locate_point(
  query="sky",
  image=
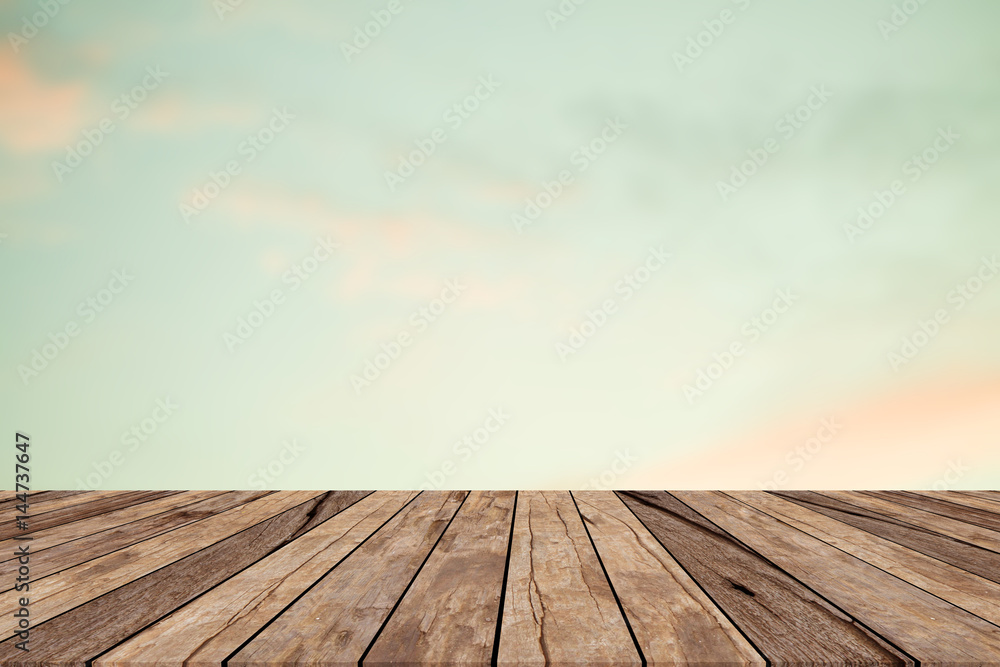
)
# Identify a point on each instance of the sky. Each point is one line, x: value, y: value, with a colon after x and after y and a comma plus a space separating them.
x: 397, y: 244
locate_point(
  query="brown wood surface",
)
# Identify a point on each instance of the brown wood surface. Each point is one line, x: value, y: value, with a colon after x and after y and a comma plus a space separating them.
x: 208, y: 629
x: 335, y: 621
x: 456, y: 578
x: 924, y: 626
x: 72, y: 553
x: 92, y: 628
x: 559, y: 607
x: 673, y: 620
x: 450, y: 613
x: 968, y: 557
x: 786, y: 622
x: 974, y: 594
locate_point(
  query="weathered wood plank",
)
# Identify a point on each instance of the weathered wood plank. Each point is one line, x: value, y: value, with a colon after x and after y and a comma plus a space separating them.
x: 982, y: 537
x: 50, y: 537
x: 924, y: 626
x: 784, y: 620
x: 963, y: 498
x: 964, y: 514
x: 335, y: 621
x: 673, y: 620
x: 450, y: 613
x: 61, y: 592
x: 43, y: 501
x: 210, y: 628
x: 79, y: 510
x: 559, y: 606
x: 75, y: 552
x: 86, y: 631
x: 968, y: 557
x: 974, y: 594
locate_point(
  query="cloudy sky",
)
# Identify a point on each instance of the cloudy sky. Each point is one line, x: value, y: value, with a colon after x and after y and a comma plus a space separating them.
x: 506, y: 245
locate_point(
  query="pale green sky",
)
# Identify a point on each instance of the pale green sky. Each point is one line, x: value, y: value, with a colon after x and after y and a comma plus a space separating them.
x: 341, y: 125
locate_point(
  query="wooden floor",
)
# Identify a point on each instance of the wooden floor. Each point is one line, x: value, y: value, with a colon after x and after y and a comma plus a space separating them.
x: 504, y: 577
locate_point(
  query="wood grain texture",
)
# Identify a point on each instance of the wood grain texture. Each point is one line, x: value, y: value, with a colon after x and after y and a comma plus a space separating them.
x: 207, y: 630
x: 87, y: 631
x: 62, y: 591
x: 973, y: 559
x: 673, y: 620
x: 450, y: 613
x: 974, y: 594
x: 559, y: 607
x: 335, y: 621
x: 784, y: 620
x: 924, y: 626
x: 942, y: 525
x: 50, y: 537
x: 962, y: 499
x: 977, y: 517
x: 77, y: 510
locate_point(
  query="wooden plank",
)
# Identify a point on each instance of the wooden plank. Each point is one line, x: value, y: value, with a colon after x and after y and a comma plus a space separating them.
x: 981, y: 537
x: 450, y: 613
x: 335, y: 621
x: 50, y: 537
x: 40, y: 501
x: 77, y: 511
x: 784, y: 620
x: 968, y: 557
x: 72, y: 553
x: 924, y: 626
x: 559, y: 606
x: 211, y: 627
x: 673, y: 620
x: 60, y: 592
x: 964, y: 498
x: 977, y: 517
x: 85, y: 632
x: 974, y: 594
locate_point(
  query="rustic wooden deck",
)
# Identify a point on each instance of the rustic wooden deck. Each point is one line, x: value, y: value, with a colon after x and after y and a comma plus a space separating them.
x: 504, y: 577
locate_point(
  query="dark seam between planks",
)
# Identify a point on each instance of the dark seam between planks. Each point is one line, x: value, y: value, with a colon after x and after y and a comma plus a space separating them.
x: 234, y: 574
x: 767, y: 660
x: 875, y: 635
x: 166, y: 493
x: 503, y: 586
x: 127, y: 546
x: 361, y: 660
x: 887, y: 519
x: 930, y: 500
x: 904, y: 581
x: 611, y: 584
x: 261, y: 629
x: 129, y: 583
x: 122, y: 525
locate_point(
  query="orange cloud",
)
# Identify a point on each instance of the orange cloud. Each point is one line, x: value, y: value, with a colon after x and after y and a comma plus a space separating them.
x: 36, y: 115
